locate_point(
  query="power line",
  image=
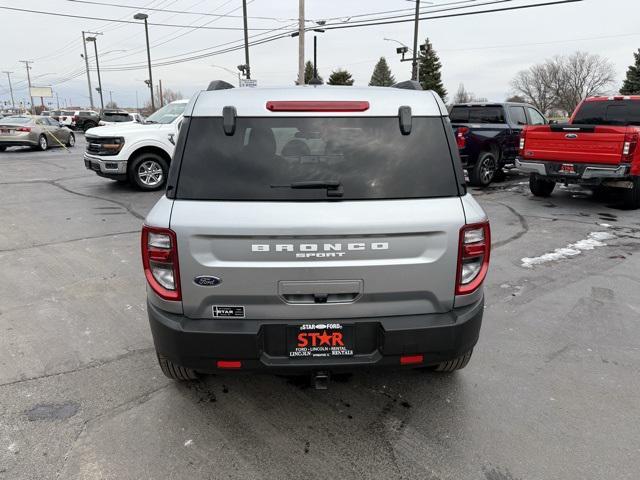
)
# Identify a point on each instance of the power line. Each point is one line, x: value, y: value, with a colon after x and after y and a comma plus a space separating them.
x: 114, y: 20
x: 452, y: 15
x: 355, y: 25
x: 182, y: 12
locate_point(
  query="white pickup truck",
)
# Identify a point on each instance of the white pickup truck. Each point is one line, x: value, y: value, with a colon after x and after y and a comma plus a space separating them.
x: 139, y: 153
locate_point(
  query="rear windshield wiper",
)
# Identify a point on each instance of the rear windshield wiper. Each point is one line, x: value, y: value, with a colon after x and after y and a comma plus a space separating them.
x: 334, y: 187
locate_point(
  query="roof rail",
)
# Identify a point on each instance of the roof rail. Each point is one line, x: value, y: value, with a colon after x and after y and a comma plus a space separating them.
x: 218, y: 85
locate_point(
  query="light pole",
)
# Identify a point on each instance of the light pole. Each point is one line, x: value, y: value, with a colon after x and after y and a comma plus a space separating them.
x: 414, y: 63
x: 315, y: 80
x: 86, y: 62
x: 246, y: 41
x: 144, y: 16
x: 95, y: 46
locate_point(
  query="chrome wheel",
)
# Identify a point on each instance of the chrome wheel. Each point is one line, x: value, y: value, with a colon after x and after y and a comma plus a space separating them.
x: 72, y: 140
x: 43, y: 143
x: 487, y: 169
x: 150, y: 173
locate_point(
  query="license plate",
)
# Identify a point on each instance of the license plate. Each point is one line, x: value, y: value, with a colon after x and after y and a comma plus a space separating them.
x: 567, y: 168
x: 6, y: 132
x: 320, y: 340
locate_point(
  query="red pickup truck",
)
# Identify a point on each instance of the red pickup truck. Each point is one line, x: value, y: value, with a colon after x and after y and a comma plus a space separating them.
x: 597, y: 148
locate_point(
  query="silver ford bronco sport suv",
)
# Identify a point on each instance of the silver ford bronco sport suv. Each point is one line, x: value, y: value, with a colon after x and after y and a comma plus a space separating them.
x: 315, y: 229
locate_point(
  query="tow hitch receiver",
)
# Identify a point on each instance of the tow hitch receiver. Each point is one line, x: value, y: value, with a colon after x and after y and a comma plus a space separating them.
x: 320, y: 380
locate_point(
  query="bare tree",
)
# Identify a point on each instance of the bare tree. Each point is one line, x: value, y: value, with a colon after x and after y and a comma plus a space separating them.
x: 534, y: 85
x: 577, y: 76
x: 464, y: 96
x: 563, y: 81
x: 168, y: 96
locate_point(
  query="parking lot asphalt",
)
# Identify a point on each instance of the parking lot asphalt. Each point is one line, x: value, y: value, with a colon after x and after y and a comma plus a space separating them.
x: 551, y: 391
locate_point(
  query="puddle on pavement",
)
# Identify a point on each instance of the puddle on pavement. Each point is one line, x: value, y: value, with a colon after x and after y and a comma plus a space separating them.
x: 52, y: 411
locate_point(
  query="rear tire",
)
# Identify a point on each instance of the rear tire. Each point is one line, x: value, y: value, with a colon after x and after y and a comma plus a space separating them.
x: 2, y: 148
x: 455, y: 364
x: 42, y: 143
x: 72, y: 140
x: 541, y: 187
x: 176, y: 372
x: 631, y: 196
x: 481, y: 175
x: 87, y: 125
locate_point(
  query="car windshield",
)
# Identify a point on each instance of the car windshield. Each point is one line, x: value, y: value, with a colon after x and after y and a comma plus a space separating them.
x: 167, y: 114
x: 16, y: 120
x: 285, y: 158
x: 117, y: 117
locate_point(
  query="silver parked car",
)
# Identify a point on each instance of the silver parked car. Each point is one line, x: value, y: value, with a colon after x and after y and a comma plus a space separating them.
x: 315, y: 229
x: 34, y: 131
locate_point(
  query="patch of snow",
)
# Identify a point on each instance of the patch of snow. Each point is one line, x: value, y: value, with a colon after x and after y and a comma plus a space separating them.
x: 595, y: 239
x: 188, y: 443
x: 605, y: 225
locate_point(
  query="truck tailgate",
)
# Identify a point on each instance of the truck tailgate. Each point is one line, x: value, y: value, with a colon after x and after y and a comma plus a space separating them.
x: 575, y: 143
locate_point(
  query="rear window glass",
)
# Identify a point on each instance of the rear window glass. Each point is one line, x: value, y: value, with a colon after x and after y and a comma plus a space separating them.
x: 461, y: 114
x: 621, y: 112
x: 16, y: 120
x: 365, y: 157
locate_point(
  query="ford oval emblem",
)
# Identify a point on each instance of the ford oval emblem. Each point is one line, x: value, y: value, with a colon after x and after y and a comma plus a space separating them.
x: 571, y: 136
x: 207, y: 281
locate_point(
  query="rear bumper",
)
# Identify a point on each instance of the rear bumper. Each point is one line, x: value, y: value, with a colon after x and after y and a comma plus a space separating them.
x: 261, y: 344
x: 584, y: 171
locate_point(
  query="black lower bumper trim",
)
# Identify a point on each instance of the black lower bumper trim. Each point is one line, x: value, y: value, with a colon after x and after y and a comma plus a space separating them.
x: 199, y: 344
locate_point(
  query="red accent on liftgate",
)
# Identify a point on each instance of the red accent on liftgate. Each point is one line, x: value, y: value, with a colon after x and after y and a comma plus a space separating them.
x: 229, y: 364
x: 411, y: 359
x: 317, y: 106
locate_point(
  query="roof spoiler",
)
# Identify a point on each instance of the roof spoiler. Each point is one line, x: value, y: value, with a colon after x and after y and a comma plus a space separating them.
x: 219, y: 85
x: 408, y: 85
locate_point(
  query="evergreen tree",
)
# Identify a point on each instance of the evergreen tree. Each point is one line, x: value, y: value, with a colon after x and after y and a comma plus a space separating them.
x: 631, y: 85
x: 308, y: 73
x: 382, y: 76
x: 429, y: 71
x: 340, y: 77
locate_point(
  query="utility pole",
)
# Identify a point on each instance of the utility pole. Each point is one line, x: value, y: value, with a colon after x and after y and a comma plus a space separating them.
x: 58, y: 100
x: 414, y: 64
x: 300, y: 42
x: 111, y: 97
x: 144, y: 16
x: 160, y: 92
x: 246, y: 40
x: 27, y: 62
x: 95, y: 46
x: 13, y: 103
x: 86, y: 62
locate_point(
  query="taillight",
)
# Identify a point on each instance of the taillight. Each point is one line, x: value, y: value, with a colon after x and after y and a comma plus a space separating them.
x: 461, y: 140
x: 24, y: 129
x: 521, y: 146
x: 630, y: 144
x: 160, y: 262
x: 473, y: 257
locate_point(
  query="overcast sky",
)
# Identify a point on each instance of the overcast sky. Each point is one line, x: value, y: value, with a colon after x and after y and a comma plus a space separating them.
x: 482, y: 51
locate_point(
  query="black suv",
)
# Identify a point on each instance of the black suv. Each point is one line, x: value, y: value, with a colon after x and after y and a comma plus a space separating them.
x: 85, y: 119
x: 488, y: 136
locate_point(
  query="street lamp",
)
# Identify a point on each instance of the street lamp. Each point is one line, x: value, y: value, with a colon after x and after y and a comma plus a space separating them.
x: 144, y: 16
x: 95, y: 45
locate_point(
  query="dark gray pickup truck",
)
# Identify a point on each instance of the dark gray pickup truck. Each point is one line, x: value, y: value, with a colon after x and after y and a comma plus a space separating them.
x: 488, y: 136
